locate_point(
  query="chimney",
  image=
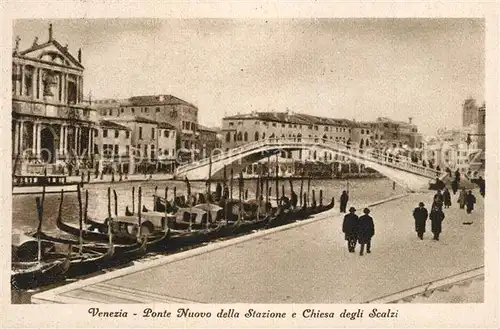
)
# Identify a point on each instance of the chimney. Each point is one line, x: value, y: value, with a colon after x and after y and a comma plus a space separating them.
x: 80, y: 55
x: 410, y: 119
x: 50, y: 32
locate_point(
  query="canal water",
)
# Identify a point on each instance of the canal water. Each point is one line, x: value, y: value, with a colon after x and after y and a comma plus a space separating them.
x: 24, y: 216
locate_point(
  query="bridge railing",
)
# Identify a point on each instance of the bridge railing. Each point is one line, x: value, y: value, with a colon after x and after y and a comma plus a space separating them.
x: 399, y: 161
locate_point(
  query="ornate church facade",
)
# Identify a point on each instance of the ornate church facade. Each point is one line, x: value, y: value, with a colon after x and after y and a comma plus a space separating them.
x: 51, y: 122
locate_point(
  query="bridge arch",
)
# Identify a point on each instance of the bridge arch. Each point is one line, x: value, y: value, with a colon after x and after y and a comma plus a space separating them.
x: 404, y: 172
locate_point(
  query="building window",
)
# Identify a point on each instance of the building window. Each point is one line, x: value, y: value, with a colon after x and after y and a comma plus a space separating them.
x: 166, y: 133
x: 117, y: 133
x: 362, y: 131
x: 256, y: 136
x: 274, y: 124
x: 122, y: 110
x: 263, y: 135
x: 310, y: 127
x: 240, y: 136
x: 157, y: 109
x: 140, y: 132
x: 105, y: 133
x: 245, y: 136
x: 127, y: 134
x: 96, y: 133
x: 116, y: 150
x: 127, y: 149
x: 231, y: 124
x: 315, y: 127
x: 228, y: 137
x: 326, y: 128
x: 282, y: 125
x: 132, y: 110
x: 152, y: 133
x: 152, y: 151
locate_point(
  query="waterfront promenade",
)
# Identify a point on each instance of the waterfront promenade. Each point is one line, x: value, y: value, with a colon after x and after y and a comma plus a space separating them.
x: 305, y: 262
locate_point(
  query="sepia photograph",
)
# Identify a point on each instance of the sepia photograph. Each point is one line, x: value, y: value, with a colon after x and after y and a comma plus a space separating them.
x: 249, y: 161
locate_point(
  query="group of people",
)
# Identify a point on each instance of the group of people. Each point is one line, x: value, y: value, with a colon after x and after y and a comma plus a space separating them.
x: 436, y: 215
x: 358, y: 230
x: 361, y: 229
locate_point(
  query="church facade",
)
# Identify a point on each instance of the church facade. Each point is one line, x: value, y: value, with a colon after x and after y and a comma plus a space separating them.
x: 51, y: 122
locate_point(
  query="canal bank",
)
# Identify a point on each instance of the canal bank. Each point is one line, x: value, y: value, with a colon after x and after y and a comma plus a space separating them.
x: 304, y: 262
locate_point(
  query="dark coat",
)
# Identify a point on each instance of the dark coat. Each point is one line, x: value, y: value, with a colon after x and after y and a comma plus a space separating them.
x: 343, y: 199
x: 469, y: 201
x: 454, y: 186
x: 447, y: 198
x: 436, y: 217
x: 438, y: 200
x: 420, y: 215
x: 365, y: 229
x: 349, y: 225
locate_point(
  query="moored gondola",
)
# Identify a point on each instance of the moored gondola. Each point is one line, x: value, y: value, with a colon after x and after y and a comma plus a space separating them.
x: 25, y: 275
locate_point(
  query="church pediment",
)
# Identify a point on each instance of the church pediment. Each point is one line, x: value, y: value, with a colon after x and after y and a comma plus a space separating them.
x: 52, y: 52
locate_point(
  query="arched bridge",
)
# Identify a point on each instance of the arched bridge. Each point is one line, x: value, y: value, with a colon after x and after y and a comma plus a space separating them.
x: 404, y: 172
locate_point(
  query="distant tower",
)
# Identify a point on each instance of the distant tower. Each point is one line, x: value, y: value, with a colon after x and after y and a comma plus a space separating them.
x: 469, y: 112
x: 410, y: 119
x: 50, y: 32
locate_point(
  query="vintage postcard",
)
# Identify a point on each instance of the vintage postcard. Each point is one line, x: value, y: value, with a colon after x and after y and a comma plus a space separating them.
x: 249, y: 165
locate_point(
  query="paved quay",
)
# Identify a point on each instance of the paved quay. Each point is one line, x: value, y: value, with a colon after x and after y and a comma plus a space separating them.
x: 305, y: 262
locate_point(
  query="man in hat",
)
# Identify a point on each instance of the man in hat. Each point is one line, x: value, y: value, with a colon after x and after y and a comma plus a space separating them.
x: 365, y: 231
x: 436, y: 216
x: 344, y: 198
x: 349, y: 227
x: 420, y: 215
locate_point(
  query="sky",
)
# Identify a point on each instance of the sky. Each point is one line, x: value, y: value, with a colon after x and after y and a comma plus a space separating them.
x: 342, y: 68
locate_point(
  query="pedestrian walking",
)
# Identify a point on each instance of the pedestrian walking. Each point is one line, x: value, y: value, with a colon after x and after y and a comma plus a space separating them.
x: 482, y: 187
x: 365, y: 231
x: 420, y: 215
x: 436, y: 217
x: 349, y: 227
x: 470, y: 200
x: 461, y: 198
x: 446, y: 198
x: 457, y: 175
x: 344, y: 198
x: 454, y: 187
x: 438, y: 200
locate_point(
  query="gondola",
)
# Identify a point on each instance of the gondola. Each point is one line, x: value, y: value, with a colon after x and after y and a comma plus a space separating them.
x: 323, y: 208
x: 87, y: 261
x: 91, y: 235
x: 25, y: 275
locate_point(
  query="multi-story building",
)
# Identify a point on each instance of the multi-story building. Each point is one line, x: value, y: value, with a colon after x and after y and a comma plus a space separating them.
x: 50, y: 119
x: 159, y: 108
x: 396, y: 133
x: 244, y: 128
x: 151, y: 143
x: 209, y: 140
x: 112, y: 146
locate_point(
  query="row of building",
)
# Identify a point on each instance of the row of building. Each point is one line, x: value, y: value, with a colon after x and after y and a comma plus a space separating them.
x: 53, y: 123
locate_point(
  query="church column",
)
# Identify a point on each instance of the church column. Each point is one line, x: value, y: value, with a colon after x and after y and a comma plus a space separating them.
x: 39, y: 140
x: 21, y: 136
x: 61, y: 139
x: 21, y: 89
x: 89, y: 142
x: 34, y: 79
x: 15, y: 149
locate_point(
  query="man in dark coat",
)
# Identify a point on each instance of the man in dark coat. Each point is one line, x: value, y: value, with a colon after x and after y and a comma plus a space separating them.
x: 344, y: 198
x: 365, y: 231
x: 482, y: 187
x: 349, y: 227
x: 470, y: 199
x: 454, y: 187
x: 446, y: 198
x: 438, y: 200
x: 420, y: 215
x: 436, y: 217
x: 457, y: 175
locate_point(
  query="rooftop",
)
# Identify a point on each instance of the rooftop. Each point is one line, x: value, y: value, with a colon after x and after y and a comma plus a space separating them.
x: 295, y: 118
x: 113, y: 125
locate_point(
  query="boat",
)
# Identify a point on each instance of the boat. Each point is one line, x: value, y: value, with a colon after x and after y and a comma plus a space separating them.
x: 25, y: 275
x: 25, y: 248
x: 322, y: 208
x: 84, y: 262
